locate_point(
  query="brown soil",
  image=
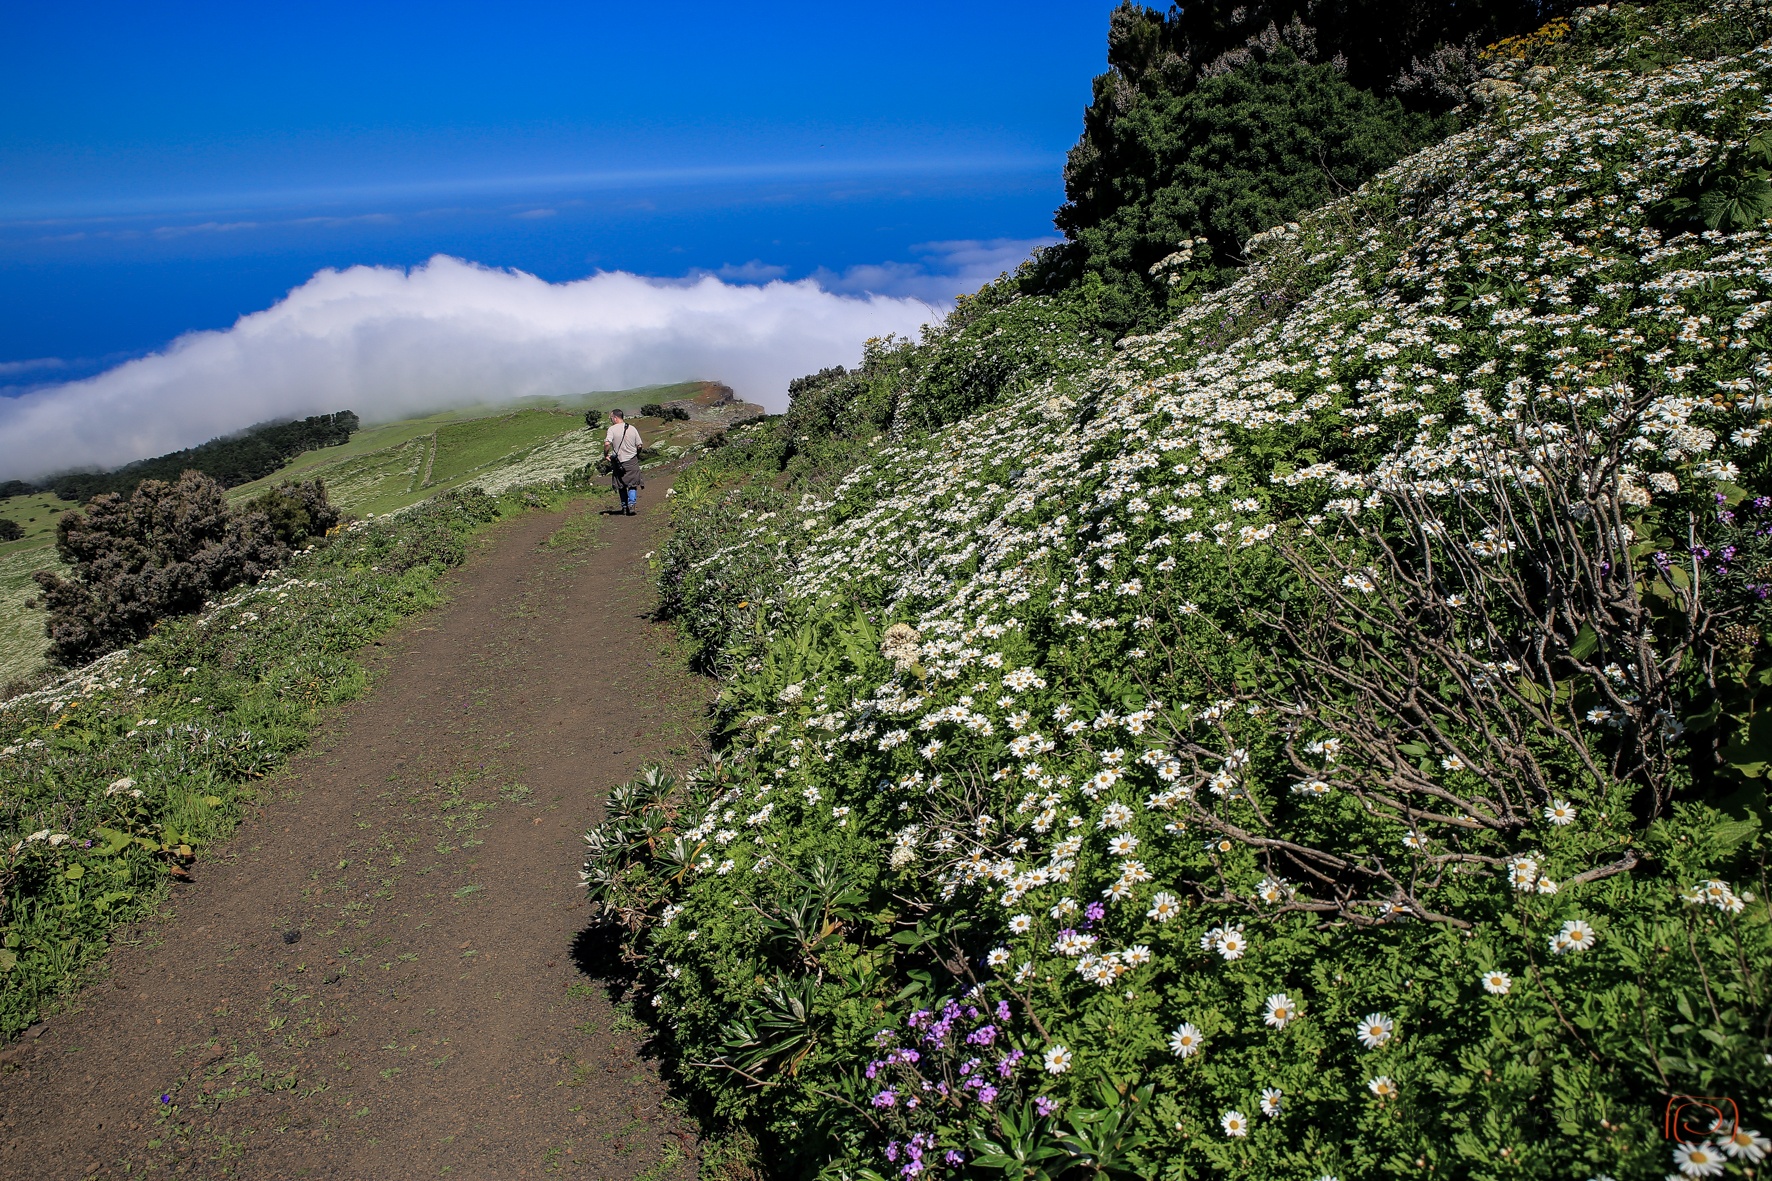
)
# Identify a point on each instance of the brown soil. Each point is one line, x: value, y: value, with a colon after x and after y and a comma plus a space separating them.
x: 433, y: 1017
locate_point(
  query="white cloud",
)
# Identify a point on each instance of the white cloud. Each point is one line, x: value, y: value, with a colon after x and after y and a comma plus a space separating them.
x: 947, y: 269
x: 13, y: 368
x: 755, y: 271
x: 389, y: 343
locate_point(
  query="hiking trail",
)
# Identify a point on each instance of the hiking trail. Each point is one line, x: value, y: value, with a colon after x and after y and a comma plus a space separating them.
x: 376, y: 976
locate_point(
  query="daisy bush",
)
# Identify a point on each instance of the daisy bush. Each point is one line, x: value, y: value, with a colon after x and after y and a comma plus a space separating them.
x: 1317, y: 741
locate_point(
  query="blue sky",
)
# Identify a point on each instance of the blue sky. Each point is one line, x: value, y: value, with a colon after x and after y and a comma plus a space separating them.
x: 170, y: 167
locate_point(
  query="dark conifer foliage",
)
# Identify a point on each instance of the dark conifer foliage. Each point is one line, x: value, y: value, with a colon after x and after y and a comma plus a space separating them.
x: 229, y: 460
x: 1220, y: 119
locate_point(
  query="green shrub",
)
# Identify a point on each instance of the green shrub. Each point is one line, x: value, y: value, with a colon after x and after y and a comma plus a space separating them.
x: 1223, y: 160
x: 164, y: 551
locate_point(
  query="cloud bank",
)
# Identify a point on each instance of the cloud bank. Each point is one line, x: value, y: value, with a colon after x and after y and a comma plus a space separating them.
x: 943, y: 271
x: 390, y: 343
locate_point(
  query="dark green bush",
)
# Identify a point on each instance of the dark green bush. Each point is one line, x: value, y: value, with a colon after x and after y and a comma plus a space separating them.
x: 230, y: 460
x: 1223, y: 160
x: 163, y: 551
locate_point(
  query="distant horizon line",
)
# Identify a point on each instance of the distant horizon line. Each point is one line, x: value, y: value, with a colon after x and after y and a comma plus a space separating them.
x: 210, y: 204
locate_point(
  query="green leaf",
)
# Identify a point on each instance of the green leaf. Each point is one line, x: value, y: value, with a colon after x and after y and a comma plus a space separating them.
x: 1585, y: 642
x: 1751, y: 748
x: 75, y: 873
x: 1731, y: 833
x: 115, y: 842
x: 213, y: 801
x: 8, y: 959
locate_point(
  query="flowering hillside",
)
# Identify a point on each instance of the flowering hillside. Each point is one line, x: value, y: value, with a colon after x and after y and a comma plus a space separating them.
x: 1320, y: 741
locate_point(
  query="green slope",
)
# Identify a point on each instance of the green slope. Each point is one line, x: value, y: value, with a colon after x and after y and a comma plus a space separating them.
x: 383, y: 469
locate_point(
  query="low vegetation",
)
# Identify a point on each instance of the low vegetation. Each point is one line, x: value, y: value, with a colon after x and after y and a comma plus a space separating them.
x: 165, y: 550
x: 1320, y: 737
x: 114, y: 776
x: 381, y: 469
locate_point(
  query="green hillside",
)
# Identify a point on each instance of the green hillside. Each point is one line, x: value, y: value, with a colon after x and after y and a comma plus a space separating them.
x: 382, y: 469
x: 388, y: 467
x: 1320, y: 737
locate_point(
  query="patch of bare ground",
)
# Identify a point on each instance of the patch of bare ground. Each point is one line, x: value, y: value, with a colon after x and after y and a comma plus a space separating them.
x: 376, y: 977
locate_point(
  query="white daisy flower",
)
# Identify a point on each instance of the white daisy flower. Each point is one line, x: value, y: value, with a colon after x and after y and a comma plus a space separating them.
x: 1698, y: 1160
x: 1187, y: 1040
x: 1497, y: 982
x: 1374, y: 1030
x: 1744, y: 1143
x: 1280, y: 1009
x: 1560, y: 812
x: 1235, y: 1123
x: 1576, y: 935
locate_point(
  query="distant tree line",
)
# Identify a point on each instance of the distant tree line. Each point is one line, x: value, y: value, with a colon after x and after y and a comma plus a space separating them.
x: 229, y: 460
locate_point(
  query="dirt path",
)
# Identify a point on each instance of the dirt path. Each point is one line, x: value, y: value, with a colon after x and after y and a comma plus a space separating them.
x: 430, y: 1018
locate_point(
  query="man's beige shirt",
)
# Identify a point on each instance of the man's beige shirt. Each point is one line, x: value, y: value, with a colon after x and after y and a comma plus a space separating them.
x: 623, y: 440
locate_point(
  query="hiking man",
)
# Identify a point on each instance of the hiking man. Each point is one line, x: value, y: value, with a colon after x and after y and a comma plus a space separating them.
x: 621, y: 447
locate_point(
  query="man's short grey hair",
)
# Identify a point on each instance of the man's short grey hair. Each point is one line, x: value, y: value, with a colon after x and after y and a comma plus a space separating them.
x: 618, y: 413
